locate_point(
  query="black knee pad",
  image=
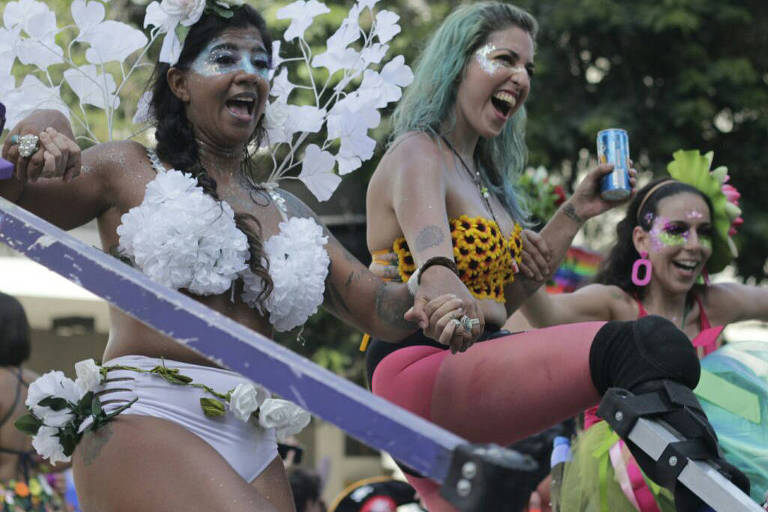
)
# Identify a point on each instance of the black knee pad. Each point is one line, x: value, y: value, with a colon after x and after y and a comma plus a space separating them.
x: 627, y: 354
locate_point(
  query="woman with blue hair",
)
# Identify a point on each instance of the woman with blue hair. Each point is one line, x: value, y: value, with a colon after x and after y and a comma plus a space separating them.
x: 443, y: 200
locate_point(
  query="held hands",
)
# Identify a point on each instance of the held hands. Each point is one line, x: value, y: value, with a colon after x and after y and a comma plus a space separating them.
x: 440, y: 314
x: 439, y: 317
x: 586, y: 201
x: 42, y: 146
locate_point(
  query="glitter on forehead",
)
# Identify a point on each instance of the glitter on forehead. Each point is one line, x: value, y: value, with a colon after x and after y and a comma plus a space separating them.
x: 487, y: 64
x: 694, y: 214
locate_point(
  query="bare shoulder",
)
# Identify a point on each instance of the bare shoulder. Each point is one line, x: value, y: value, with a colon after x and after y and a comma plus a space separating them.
x: 411, y: 152
x: 115, y: 156
x: 295, y: 206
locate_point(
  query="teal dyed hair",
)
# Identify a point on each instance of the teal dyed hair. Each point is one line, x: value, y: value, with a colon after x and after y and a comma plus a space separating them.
x: 428, y: 104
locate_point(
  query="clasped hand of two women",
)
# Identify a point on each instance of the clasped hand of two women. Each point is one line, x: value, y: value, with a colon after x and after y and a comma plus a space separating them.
x: 56, y: 154
x: 438, y: 317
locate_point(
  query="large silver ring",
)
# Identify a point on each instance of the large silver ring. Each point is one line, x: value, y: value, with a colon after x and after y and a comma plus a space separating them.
x: 28, y: 144
x: 467, y: 323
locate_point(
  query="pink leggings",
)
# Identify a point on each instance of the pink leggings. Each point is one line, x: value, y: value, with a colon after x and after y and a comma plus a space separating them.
x: 498, y: 391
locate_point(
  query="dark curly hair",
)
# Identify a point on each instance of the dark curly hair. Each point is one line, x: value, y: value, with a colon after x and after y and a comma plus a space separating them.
x: 14, y: 332
x: 176, y: 143
x: 616, y: 269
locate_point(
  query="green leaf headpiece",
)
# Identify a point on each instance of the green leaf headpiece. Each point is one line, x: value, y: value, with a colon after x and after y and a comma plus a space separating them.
x: 693, y: 168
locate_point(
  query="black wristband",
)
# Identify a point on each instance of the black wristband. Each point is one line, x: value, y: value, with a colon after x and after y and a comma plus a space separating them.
x: 437, y: 260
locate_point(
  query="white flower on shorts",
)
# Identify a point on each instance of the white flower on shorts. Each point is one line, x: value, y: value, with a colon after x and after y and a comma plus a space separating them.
x: 246, y: 399
x: 47, y: 444
x: 88, y: 375
x: 285, y: 417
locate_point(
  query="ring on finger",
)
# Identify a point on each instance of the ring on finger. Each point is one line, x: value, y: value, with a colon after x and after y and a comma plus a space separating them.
x: 28, y: 144
x: 467, y: 323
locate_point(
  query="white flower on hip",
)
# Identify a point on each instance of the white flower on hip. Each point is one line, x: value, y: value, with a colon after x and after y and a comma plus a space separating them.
x: 246, y: 399
x: 317, y: 172
x: 47, y: 444
x: 301, y: 14
x: 285, y: 417
x: 88, y: 375
x: 53, y: 384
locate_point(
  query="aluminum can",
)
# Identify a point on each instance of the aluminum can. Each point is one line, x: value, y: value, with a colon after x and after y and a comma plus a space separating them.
x: 613, y: 148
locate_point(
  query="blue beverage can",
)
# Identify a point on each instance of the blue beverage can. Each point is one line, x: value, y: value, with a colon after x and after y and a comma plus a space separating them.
x: 613, y: 148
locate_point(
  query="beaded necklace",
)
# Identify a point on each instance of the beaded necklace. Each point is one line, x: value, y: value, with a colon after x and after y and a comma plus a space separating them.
x: 484, y: 192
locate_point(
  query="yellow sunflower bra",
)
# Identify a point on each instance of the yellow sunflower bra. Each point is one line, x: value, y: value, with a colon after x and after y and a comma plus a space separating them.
x: 486, y: 261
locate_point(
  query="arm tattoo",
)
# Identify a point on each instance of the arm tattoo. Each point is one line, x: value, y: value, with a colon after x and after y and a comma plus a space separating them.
x: 570, y: 212
x: 333, y: 300
x: 430, y: 236
x: 93, y: 442
x: 390, y: 307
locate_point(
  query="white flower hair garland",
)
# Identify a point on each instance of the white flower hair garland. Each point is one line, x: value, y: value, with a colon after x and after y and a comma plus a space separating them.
x: 322, y: 137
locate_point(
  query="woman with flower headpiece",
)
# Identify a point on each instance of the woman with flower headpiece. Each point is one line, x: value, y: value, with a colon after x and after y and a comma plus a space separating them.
x: 443, y: 200
x: 676, y: 232
x: 189, y: 435
x: 23, y: 487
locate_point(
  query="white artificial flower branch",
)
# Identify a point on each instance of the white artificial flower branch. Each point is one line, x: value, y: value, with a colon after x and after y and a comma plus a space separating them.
x: 342, y: 109
x: 29, y: 36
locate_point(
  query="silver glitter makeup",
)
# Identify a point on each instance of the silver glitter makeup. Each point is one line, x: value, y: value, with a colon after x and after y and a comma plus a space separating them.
x: 220, y: 58
x: 491, y: 66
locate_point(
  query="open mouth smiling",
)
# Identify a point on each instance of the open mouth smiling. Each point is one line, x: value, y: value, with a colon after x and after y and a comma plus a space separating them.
x: 504, y: 102
x: 242, y: 106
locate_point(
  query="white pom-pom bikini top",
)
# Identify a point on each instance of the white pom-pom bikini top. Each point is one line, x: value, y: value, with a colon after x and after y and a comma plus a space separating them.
x: 182, y: 237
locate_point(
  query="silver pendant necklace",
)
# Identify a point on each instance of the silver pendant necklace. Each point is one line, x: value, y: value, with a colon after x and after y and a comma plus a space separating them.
x: 475, y: 176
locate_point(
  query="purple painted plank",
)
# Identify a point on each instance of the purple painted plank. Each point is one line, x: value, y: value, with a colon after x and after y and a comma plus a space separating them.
x: 374, y: 421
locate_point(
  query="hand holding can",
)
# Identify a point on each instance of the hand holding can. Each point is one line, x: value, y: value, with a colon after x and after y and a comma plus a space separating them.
x: 613, y: 148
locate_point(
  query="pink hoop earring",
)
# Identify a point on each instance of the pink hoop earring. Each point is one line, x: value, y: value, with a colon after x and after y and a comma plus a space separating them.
x: 644, y: 262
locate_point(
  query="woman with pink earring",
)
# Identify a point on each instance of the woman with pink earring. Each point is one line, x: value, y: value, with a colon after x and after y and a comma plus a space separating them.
x: 676, y: 231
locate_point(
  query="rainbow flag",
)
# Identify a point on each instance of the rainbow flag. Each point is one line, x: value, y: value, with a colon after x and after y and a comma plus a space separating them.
x: 578, y: 267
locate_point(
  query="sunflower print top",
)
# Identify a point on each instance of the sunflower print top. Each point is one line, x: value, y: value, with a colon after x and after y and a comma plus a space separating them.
x: 486, y: 261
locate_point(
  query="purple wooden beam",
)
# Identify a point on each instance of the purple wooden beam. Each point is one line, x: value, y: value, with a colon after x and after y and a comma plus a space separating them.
x: 373, y: 420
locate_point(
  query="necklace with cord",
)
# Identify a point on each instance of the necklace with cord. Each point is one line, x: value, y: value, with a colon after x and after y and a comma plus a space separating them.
x: 475, y: 176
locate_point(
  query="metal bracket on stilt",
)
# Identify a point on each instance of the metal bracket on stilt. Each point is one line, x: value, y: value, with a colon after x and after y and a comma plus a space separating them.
x: 488, y: 477
x: 662, y: 443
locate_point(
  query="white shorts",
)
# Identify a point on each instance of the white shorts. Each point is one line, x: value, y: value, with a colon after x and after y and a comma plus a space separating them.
x: 247, y: 447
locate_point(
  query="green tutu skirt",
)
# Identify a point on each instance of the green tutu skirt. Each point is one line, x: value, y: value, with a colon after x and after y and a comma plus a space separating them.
x: 589, y: 482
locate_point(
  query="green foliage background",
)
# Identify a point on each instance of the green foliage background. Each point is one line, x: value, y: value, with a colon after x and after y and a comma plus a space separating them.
x: 676, y: 74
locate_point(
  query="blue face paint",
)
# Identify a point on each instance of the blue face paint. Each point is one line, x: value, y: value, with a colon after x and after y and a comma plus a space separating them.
x: 221, y: 57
